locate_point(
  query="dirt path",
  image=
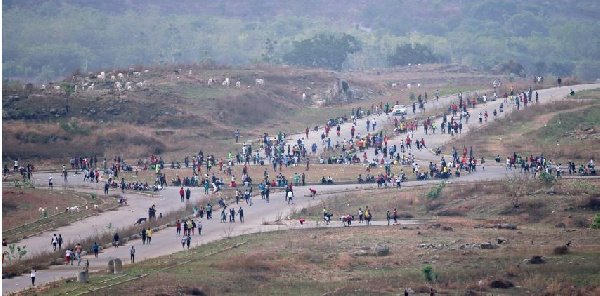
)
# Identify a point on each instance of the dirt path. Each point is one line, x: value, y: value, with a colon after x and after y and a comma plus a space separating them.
x: 165, y: 242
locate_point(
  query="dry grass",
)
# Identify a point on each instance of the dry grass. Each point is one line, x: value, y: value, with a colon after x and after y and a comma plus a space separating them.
x: 21, y: 216
x: 286, y: 263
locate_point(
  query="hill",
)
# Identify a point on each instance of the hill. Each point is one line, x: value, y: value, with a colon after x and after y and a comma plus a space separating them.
x: 47, y: 39
x: 178, y: 114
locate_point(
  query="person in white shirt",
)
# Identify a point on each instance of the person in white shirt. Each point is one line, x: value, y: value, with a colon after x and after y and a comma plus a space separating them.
x: 33, y: 276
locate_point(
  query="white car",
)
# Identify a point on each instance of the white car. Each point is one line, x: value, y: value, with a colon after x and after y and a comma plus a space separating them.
x: 399, y: 110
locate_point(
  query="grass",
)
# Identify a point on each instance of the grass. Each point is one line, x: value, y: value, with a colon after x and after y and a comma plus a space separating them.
x: 279, y: 263
x: 21, y: 216
x: 43, y: 260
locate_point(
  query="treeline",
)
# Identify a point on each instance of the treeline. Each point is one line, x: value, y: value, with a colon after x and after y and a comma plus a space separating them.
x: 48, y: 39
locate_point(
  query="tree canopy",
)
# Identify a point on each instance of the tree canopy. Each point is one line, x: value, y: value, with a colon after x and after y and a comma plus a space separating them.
x: 323, y: 51
x: 415, y: 54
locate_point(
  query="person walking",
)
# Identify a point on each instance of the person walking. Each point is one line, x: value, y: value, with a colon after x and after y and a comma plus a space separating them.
x: 188, y: 241
x: 54, y: 241
x: 116, y: 240
x: 241, y: 214
x: 33, y: 276
x: 132, y: 253
x: 68, y: 256
x: 60, y: 241
x: 178, y: 227
x: 182, y: 193
x: 78, y: 254
x: 96, y: 248
x: 143, y: 234
x: 149, y: 235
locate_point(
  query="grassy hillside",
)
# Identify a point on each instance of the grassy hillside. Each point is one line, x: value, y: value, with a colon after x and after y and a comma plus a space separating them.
x: 175, y: 115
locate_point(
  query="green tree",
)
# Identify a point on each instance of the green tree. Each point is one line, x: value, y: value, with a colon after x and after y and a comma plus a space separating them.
x: 406, y: 53
x: 561, y: 68
x: 323, y: 51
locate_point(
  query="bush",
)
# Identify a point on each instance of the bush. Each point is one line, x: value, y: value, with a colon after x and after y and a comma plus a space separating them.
x: 596, y: 223
x: 561, y: 250
x: 547, y: 178
x: 428, y: 273
x: 436, y: 192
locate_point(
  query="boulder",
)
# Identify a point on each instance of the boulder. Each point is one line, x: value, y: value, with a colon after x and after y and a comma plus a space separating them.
x: 382, y: 250
x: 501, y: 284
x: 487, y: 246
x: 316, y: 258
x: 507, y: 226
x: 537, y: 260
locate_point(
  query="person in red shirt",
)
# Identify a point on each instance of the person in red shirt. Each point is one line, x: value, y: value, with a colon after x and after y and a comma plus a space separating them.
x: 181, y: 193
x: 307, y: 132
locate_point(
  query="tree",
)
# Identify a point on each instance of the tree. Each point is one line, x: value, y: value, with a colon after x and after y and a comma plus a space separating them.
x: 512, y: 67
x: 323, y: 51
x: 540, y: 68
x: 269, y: 55
x: 561, y: 68
x: 406, y: 53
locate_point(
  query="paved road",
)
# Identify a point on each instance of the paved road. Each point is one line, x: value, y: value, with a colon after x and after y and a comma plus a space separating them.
x: 165, y: 242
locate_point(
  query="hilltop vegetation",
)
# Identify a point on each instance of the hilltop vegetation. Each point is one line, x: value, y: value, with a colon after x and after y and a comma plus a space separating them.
x: 44, y: 40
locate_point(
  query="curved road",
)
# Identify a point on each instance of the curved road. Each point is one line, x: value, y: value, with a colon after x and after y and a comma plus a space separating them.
x: 165, y: 242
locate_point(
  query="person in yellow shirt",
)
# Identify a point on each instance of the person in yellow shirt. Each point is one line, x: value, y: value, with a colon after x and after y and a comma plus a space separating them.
x: 149, y: 235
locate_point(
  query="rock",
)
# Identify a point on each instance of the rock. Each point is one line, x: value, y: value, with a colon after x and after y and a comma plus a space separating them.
x: 560, y: 225
x: 537, y: 260
x: 507, y: 226
x: 314, y: 236
x: 561, y: 250
x: 366, y: 248
x: 316, y: 258
x: 436, y: 225
x: 361, y: 253
x: 487, y: 246
x: 501, y: 284
x: 501, y: 240
x: 447, y: 228
x: 382, y: 250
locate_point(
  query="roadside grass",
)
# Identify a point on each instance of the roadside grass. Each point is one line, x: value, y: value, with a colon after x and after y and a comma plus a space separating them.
x: 21, y: 217
x: 104, y: 238
x: 340, y: 262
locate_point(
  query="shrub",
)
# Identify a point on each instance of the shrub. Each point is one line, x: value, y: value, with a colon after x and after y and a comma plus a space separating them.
x: 428, y: 273
x: 547, y: 178
x: 412, y: 96
x: 436, y: 192
x: 596, y: 223
x: 561, y: 250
